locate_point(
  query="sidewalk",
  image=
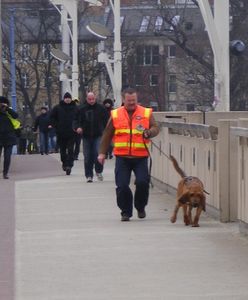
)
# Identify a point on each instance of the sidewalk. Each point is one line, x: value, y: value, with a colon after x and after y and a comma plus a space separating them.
x: 71, y: 245
x: 23, y: 167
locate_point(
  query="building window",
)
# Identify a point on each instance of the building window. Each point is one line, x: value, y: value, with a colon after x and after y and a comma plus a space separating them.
x: 138, y: 79
x: 147, y: 55
x: 191, y: 80
x: 25, y: 80
x: 144, y: 24
x: 108, y: 81
x: 190, y: 107
x: 171, y: 51
x: 45, y: 52
x: 6, y: 83
x: 33, y: 14
x: 158, y: 23
x: 124, y: 79
x: 5, y: 54
x: 185, y: 1
x: 174, y: 22
x: 153, y: 80
x: 48, y: 81
x: 122, y: 18
x: 188, y: 25
x: 25, y: 52
x: 172, y: 85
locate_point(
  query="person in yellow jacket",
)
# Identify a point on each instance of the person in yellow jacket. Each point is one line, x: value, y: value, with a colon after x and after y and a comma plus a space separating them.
x: 130, y: 127
x: 8, y: 126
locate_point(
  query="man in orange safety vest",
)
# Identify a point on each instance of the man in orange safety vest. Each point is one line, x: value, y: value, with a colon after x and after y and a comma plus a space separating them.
x: 130, y: 127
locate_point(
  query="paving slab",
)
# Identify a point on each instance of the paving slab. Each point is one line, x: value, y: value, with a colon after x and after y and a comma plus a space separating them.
x: 23, y: 167
x: 70, y: 244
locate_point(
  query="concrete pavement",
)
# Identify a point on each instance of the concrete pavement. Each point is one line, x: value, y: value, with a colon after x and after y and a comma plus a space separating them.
x: 70, y: 244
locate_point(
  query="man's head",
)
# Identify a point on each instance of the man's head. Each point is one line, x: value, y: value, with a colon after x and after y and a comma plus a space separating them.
x: 91, y: 98
x: 4, y: 100
x: 108, y: 103
x: 67, y: 98
x: 130, y: 98
x: 43, y: 109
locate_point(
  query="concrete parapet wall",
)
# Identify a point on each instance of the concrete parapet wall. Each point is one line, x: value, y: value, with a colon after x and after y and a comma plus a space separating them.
x: 216, y: 152
x: 241, y: 134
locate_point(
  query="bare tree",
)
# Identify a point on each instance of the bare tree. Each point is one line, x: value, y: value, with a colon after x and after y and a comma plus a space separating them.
x: 35, y: 77
x: 195, y: 74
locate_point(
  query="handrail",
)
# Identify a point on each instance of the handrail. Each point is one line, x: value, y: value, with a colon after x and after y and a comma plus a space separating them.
x: 239, y: 131
x: 192, y: 129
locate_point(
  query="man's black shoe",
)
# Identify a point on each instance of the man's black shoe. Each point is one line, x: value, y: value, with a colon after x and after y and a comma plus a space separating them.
x: 5, y: 176
x: 125, y: 218
x: 68, y: 171
x: 142, y: 214
x: 64, y: 168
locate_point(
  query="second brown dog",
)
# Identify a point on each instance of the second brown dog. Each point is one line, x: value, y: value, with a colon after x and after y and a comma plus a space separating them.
x: 190, y: 194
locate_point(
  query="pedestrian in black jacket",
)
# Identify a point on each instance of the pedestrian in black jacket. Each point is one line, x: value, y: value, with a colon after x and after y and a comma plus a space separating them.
x: 90, y: 121
x: 61, y: 118
x: 42, y: 123
x: 7, y: 133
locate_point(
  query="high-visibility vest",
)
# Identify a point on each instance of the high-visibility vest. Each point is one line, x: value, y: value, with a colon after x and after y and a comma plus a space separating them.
x: 128, y: 136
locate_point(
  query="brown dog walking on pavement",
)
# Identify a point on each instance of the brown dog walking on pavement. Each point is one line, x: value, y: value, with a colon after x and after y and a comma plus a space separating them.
x: 190, y: 194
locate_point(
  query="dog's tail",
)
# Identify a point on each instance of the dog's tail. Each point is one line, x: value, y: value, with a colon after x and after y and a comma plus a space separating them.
x: 176, y: 166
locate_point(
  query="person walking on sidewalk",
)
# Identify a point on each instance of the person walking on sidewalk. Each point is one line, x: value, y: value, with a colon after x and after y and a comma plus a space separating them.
x: 130, y: 126
x: 90, y: 122
x: 7, y: 133
x: 42, y: 123
x: 61, y: 118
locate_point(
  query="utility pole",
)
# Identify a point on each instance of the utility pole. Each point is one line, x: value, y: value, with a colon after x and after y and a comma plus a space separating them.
x: 1, y: 55
x: 12, y: 59
x: 117, y: 52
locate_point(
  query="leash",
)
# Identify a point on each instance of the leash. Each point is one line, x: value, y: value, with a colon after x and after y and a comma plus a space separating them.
x: 150, y: 163
x: 150, y: 157
x: 161, y: 151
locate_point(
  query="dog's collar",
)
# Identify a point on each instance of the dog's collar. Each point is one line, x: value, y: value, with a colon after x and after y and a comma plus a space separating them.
x: 188, y: 179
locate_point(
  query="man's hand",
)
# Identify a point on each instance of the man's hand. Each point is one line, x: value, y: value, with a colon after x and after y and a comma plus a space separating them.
x: 101, y: 158
x: 79, y: 130
x: 50, y: 127
x: 147, y: 133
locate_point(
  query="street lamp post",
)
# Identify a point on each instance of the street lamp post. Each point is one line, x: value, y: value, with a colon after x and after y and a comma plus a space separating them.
x: 1, y: 64
x: 117, y: 52
x: 12, y: 60
x: 69, y: 7
x: 218, y: 31
x: 114, y: 66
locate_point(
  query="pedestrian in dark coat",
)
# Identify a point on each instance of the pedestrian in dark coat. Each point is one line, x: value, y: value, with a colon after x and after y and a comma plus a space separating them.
x: 61, y: 118
x: 42, y: 123
x: 7, y: 133
x: 90, y: 121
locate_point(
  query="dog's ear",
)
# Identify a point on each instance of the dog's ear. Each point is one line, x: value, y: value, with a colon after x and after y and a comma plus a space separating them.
x: 184, y: 198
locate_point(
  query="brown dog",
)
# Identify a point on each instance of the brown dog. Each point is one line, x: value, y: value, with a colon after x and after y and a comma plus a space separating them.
x: 190, y: 194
